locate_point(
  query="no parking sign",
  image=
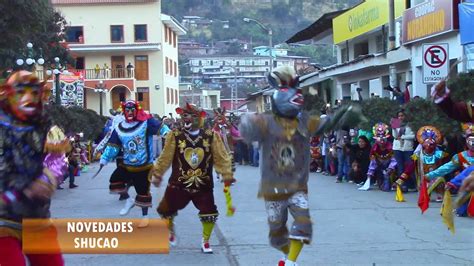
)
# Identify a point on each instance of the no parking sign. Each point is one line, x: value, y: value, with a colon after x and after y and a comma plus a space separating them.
x: 435, y: 62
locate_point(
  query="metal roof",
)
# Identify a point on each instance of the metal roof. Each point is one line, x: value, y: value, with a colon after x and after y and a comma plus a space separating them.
x: 318, y: 30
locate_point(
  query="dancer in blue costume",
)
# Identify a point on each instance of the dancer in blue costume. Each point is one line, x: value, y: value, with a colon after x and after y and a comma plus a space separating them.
x: 134, y: 137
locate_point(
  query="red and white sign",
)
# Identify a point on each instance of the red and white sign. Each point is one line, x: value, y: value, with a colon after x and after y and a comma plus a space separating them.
x: 435, y: 62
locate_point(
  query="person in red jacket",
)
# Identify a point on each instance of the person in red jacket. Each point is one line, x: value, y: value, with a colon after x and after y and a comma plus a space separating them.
x: 460, y: 111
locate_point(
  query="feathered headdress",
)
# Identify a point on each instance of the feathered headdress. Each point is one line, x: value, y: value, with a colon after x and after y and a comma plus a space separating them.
x: 429, y: 132
x: 381, y: 130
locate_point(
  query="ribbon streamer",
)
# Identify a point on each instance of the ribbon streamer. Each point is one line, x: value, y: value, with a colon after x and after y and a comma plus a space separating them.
x: 399, y: 195
x: 228, y: 201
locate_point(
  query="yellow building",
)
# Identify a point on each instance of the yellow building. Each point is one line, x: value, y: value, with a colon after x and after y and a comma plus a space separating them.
x: 129, y: 47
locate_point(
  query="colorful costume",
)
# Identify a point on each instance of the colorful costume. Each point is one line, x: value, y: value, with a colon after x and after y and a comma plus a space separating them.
x: 134, y: 137
x: 284, y: 137
x: 427, y: 158
x: 459, y: 161
x: 466, y: 204
x: 28, y: 176
x: 192, y: 152
x: 382, y: 162
x: 316, y: 164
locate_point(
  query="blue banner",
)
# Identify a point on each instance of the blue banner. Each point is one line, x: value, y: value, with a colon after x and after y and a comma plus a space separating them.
x: 466, y: 21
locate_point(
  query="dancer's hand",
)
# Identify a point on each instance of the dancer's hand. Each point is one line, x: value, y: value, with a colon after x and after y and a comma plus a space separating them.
x: 39, y: 190
x: 468, y: 183
x: 156, y: 180
x: 229, y: 181
x: 450, y: 186
x: 399, y: 181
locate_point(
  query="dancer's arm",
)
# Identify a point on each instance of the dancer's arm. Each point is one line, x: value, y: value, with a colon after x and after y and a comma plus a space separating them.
x: 444, y: 169
x: 112, y: 149
x: 166, y: 157
x: 222, y: 159
x: 252, y: 127
x: 153, y: 126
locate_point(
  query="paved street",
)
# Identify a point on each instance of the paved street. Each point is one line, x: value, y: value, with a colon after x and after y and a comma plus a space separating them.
x: 351, y: 227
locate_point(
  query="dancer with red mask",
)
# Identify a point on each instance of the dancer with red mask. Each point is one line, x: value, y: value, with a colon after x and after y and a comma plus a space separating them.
x: 192, y: 152
x: 426, y: 158
x: 134, y: 137
x: 27, y: 177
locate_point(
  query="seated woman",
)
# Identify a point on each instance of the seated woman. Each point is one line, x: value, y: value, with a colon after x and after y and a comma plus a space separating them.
x: 360, y: 159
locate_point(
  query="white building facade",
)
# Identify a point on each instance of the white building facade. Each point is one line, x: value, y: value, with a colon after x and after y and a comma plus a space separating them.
x: 129, y: 46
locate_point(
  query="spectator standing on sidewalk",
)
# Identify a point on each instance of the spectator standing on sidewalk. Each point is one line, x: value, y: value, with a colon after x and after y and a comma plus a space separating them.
x: 403, y: 147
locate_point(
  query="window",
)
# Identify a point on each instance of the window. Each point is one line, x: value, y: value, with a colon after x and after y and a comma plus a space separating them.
x: 172, y: 96
x: 116, y: 33
x: 166, y: 34
x: 170, y: 35
x: 75, y: 34
x: 140, y: 33
x: 166, y: 65
x: 361, y: 49
x: 171, y: 67
x: 175, y: 69
x: 167, y: 95
x: 176, y: 100
x: 379, y: 44
x: 140, y: 96
x: 175, y: 39
x: 344, y: 56
x: 141, y: 67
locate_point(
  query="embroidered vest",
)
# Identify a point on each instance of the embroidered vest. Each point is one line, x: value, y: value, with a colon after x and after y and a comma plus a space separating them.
x: 192, y: 162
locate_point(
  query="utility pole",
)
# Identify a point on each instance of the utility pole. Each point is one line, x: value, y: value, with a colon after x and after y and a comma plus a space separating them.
x: 391, y: 25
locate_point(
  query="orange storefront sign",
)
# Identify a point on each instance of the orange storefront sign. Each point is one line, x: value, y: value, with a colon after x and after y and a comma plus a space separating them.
x: 94, y: 236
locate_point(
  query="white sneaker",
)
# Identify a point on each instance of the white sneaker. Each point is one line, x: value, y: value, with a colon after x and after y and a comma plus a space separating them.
x: 290, y: 263
x: 206, y: 247
x: 128, y: 206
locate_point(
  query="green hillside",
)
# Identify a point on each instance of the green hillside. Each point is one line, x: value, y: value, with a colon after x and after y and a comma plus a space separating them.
x: 285, y: 17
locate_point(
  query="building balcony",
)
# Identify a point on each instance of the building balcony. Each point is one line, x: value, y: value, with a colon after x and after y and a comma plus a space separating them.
x: 98, y: 74
x: 80, y: 48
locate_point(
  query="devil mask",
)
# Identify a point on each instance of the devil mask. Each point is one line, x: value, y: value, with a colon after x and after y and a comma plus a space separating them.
x: 381, y: 133
x: 23, y: 95
x: 192, y: 117
x: 287, y: 100
x: 429, y: 137
x: 468, y: 129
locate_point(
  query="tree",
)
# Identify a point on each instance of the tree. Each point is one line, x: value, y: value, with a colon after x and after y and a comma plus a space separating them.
x: 24, y: 21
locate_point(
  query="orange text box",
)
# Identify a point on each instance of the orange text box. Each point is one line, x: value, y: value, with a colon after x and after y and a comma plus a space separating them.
x: 94, y: 236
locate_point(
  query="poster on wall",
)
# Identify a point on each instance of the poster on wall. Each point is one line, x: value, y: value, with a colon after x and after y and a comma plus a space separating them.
x: 72, y: 89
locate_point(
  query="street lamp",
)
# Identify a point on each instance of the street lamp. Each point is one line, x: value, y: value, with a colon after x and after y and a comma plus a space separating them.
x: 100, y: 88
x: 270, y: 37
x: 57, y: 70
x: 30, y: 58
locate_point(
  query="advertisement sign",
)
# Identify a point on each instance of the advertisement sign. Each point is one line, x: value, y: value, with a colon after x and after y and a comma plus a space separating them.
x: 72, y: 89
x: 429, y: 19
x: 435, y: 62
x: 466, y: 22
x: 363, y: 18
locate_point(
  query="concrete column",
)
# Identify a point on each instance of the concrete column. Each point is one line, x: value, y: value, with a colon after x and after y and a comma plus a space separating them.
x: 107, y: 102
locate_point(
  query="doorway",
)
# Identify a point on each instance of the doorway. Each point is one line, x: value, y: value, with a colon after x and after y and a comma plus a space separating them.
x: 118, y: 66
